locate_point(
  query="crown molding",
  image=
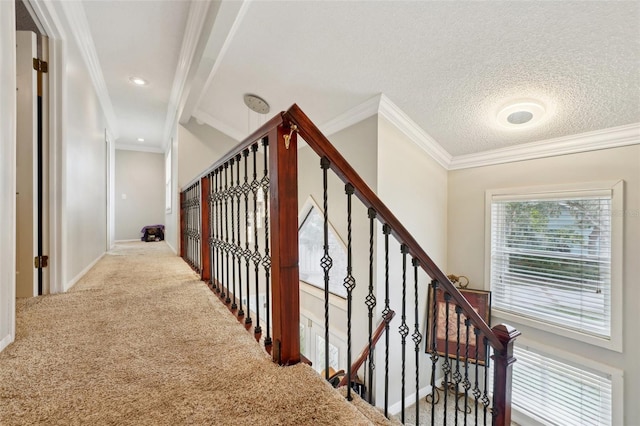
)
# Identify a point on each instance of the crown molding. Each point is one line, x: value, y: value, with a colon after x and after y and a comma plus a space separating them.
x: 398, y: 118
x: 355, y: 115
x: 79, y: 29
x: 583, y: 142
x: 140, y: 148
x: 196, y: 20
x: 227, y: 22
x: 219, y: 125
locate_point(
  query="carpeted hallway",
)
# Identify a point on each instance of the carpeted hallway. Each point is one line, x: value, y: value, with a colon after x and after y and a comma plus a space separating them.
x: 141, y: 341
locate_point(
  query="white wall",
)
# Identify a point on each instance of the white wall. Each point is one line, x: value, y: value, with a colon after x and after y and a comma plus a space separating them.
x: 7, y: 172
x: 140, y: 178
x: 83, y: 173
x: 467, y: 241
x: 199, y: 147
x: 414, y: 188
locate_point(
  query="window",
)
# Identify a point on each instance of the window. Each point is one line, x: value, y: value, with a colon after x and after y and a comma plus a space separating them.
x: 551, y: 259
x: 311, y: 251
x: 558, y: 392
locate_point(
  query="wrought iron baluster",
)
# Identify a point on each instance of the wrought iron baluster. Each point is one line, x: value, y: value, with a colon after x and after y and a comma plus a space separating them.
x: 232, y: 245
x: 219, y: 269
x: 476, y: 389
x: 404, y: 330
x: 246, y: 188
x: 326, y: 262
x: 211, y: 218
x: 466, y: 384
x: 485, y: 395
x: 266, y: 260
x: 386, y: 230
x: 349, y: 284
x: 238, y: 247
x: 199, y: 224
x: 416, y: 336
x: 227, y: 300
x: 223, y: 293
x: 371, y: 301
x: 457, y: 377
x: 256, y: 252
x: 446, y: 366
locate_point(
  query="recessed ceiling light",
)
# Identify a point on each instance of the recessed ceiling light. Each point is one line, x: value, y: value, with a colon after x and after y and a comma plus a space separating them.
x: 138, y: 81
x: 140, y: 139
x: 521, y: 114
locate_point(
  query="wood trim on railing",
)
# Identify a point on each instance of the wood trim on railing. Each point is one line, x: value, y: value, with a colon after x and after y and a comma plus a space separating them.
x: 283, y: 211
x: 183, y: 226
x: 365, y: 352
x: 321, y: 145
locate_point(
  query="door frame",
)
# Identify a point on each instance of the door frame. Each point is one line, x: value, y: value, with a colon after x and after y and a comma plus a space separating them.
x: 49, y: 23
x: 8, y: 113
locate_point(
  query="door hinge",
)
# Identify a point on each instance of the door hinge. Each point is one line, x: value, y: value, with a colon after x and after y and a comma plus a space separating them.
x: 40, y: 262
x: 40, y: 65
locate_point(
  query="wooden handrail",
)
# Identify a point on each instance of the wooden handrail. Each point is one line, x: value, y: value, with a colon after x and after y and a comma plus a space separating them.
x: 365, y: 351
x: 321, y: 145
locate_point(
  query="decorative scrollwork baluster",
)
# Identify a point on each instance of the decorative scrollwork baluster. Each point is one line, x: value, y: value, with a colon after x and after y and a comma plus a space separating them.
x: 371, y: 301
x: 238, y: 247
x: 386, y: 230
x: 326, y: 262
x: 416, y: 336
x: 227, y: 300
x: 266, y: 260
x: 457, y: 376
x: 255, y: 256
x: 232, y: 244
x: 446, y: 366
x: 349, y: 284
x: 404, y: 329
x: 246, y: 189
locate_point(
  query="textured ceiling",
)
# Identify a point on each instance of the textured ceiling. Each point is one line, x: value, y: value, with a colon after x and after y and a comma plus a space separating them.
x: 449, y: 66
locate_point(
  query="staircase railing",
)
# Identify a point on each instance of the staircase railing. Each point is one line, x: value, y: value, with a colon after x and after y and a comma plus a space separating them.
x: 244, y: 209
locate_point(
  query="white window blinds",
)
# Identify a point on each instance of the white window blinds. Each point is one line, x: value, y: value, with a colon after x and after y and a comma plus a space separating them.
x: 559, y: 393
x: 551, y: 259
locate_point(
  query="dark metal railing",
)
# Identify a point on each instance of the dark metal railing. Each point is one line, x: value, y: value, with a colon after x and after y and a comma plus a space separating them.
x: 252, y: 226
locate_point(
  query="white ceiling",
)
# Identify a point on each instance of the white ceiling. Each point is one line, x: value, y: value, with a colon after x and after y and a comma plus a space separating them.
x: 449, y: 66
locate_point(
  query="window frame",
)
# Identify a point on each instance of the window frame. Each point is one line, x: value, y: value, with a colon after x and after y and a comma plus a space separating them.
x: 616, y: 187
x: 615, y: 374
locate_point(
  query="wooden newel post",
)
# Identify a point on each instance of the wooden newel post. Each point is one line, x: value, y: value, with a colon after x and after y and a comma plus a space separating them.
x: 283, y: 167
x: 205, y: 270
x: 503, y: 362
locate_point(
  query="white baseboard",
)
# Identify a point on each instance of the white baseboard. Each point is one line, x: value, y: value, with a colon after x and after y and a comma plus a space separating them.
x: 171, y: 247
x: 409, y: 400
x: 6, y: 341
x: 127, y: 241
x: 77, y: 278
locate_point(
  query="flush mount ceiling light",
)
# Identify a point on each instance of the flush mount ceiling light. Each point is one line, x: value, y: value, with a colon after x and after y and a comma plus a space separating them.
x: 521, y: 114
x: 138, y: 81
x: 140, y: 139
x: 256, y: 103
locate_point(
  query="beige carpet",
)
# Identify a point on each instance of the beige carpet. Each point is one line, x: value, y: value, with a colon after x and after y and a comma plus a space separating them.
x: 141, y: 341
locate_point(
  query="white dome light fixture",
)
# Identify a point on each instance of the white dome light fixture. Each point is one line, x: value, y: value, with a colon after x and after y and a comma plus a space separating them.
x: 140, y: 139
x: 521, y: 114
x: 256, y: 103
